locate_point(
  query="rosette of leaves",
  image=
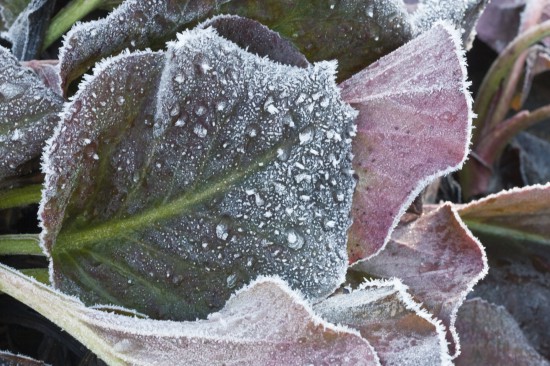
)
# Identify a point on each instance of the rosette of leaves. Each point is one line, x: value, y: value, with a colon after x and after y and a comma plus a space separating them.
x: 206, y: 181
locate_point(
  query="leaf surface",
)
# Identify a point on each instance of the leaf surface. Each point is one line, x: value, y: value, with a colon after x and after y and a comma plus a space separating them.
x: 10, y: 359
x: 264, y: 323
x: 135, y: 24
x: 438, y: 259
x: 521, y: 212
x: 490, y: 336
x: 414, y: 125
x: 174, y: 178
x: 354, y: 32
x: 28, y: 115
x: 399, y: 331
x: 9, y: 10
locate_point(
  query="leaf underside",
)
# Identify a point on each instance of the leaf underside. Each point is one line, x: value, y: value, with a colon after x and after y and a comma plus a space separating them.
x: 175, y: 178
x: 265, y: 323
x: 388, y: 319
x: 414, y: 125
x: 438, y: 259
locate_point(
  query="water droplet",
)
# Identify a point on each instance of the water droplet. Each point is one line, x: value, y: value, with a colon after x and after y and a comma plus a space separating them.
x: 200, y: 110
x: 120, y: 100
x: 284, y: 153
x: 252, y: 130
x: 200, y: 130
x: 222, y: 230
x: 175, y: 111
x: 231, y: 280
x: 307, y: 135
x: 294, y: 239
x: 179, y: 78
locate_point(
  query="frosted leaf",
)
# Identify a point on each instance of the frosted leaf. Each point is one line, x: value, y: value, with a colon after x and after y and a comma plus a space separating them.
x: 28, y: 115
x: 257, y: 38
x: 414, y: 125
x: 9, y: 10
x: 10, y: 359
x: 160, y: 191
x: 136, y: 23
x: 525, y: 212
x: 438, y: 259
x: 401, y: 333
x: 463, y: 14
x: 490, y: 336
x: 244, y: 332
x: 27, y: 31
x: 354, y: 32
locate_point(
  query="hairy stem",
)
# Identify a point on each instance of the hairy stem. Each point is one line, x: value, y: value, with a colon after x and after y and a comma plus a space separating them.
x: 70, y: 14
x: 23, y: 196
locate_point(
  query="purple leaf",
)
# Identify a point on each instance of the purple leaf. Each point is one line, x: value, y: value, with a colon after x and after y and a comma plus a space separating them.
x: 265, y: 323
x: 176, y: 177
x: 256, y: 38
x: 401, y: 333
x: 414, y: 125
x: 490, y: 336
x: 28, y: 115
x: 135, y: 24
x: 438, y: 259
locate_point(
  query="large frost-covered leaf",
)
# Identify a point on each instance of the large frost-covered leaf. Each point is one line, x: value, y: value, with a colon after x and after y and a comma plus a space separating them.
x: 28, y: 115
x: 414, y: 125
x: 265, y: 323
x: 354, y: 32
x: 27, y: 31
x: 173, y: 178
x: 134, y: 24
x: 438, y: 259
x: 521, y: 212
x: 490, y: 336
x: 399, y: 331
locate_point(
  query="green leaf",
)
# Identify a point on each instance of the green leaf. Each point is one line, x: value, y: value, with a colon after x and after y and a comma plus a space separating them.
x: 354, y: 32
x: 176, y: 177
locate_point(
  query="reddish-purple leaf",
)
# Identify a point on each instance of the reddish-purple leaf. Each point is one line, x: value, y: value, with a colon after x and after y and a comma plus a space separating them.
x: 388, y: 318
x: 48, y: 71
x: 414, y: 125
x: 28, y: 114
x: 265, y: 323
x: 438, y: 259
x: 490, y: 336
x: 521, y: 212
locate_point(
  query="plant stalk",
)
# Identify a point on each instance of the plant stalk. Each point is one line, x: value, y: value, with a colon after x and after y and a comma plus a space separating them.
x: 23, y: 196
x: 499, y: 71
x: 20, y: 244
x: 64, y: 20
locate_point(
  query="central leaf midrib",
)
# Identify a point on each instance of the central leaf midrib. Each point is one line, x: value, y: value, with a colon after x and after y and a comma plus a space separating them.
x: 76, y: 239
